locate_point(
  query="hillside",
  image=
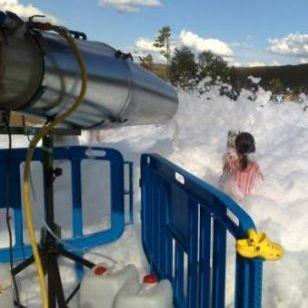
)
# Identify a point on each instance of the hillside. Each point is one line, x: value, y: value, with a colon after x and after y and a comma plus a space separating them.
x: 292, y: 76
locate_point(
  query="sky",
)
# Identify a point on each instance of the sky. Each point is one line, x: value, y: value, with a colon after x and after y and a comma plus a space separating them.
x: 244, y: 32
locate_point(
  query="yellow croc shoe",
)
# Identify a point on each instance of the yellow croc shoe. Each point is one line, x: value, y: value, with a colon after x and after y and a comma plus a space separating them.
x: 257, y: 245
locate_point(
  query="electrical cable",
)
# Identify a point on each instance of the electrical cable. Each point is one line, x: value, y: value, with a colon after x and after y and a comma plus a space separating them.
x: 8, y: 203
x: 45, y: 130
x: 59, y: 240
x: 71, y: 247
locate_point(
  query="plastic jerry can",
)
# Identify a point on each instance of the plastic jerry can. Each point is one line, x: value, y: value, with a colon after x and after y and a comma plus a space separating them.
x: 150, y: 294
x: 100, y: 285
x: 6, y: 289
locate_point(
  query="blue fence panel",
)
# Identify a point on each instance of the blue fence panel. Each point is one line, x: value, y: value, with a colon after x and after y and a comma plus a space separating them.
x: 75, y: 155
x: 129, y: 192
x: 184, y: 226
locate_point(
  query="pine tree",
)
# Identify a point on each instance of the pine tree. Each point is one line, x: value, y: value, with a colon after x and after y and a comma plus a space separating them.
x: 163, y: 41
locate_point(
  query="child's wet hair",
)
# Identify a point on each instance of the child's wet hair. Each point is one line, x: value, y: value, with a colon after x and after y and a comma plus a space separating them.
x: 244, y: 145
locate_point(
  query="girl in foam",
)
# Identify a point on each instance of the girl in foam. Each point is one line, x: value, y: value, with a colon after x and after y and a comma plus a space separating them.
x: 241, y: 174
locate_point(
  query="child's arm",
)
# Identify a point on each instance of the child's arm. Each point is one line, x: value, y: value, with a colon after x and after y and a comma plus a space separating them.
x: 259, y: 172
x: 261, y: 175
x: 229, y: 159
x: 226, y: 167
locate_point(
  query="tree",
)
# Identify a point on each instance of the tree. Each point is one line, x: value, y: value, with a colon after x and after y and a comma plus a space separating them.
x: 163, y: 41
x: 183, y: 69
x: 213, y: 66
x: 276, y: 86
x: 147, y: 62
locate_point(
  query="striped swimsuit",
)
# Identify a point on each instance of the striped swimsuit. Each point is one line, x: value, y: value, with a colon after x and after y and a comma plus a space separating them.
x: 247, y: 179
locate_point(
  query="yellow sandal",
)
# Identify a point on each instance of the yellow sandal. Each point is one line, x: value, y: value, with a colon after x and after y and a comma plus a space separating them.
x: 257, y: 245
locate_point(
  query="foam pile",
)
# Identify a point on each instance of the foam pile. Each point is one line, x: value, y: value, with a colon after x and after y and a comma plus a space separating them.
x: 195, y: 139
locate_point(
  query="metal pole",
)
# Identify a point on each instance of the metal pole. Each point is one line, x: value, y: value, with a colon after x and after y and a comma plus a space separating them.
x: 55, y: 288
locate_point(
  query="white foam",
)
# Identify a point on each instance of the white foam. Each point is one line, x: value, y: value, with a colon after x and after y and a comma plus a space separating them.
x: 195, y: 139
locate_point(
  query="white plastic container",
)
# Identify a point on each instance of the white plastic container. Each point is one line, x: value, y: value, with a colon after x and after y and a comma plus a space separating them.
x: 100, y: 285
x: 6, y: 288
x: 150, y: 294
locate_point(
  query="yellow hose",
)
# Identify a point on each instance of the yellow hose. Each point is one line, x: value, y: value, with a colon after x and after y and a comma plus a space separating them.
x: 36, y: 139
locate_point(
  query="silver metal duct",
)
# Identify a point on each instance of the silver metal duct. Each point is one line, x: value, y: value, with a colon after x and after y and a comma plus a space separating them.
x: 40, y: 76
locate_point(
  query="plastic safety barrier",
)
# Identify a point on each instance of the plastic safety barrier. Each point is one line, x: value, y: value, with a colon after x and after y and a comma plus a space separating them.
x: 74, y: 208
x: 185, y: 222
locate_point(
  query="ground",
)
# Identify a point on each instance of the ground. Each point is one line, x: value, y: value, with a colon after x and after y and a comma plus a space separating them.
x: 195, y: 140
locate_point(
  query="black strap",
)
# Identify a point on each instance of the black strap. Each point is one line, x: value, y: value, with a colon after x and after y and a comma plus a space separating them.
x: 125, y: 56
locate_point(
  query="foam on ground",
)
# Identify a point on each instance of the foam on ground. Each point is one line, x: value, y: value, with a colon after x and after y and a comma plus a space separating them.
x: 195, y: 140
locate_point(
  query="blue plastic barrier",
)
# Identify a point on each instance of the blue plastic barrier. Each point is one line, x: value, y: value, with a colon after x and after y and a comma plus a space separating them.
x: 75, y: 155
x: 184, y: 226
x: 129, y: 192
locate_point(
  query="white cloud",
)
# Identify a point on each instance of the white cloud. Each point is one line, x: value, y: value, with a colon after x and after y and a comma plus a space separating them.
x: 187, y: 38
x: 255, y: 63
x: 130, y: 6
x: 275, y: 63
x: 237, y: 64
x: 157, y: 57
x: 295, y: 44
x: 200, y: 44
x: 243, y: 45
x: 146, y: 45
x: 23, y: 10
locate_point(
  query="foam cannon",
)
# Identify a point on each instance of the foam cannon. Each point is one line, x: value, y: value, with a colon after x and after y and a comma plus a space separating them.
x: 40, y: 76
x: 58, y: 75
